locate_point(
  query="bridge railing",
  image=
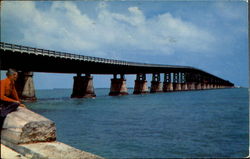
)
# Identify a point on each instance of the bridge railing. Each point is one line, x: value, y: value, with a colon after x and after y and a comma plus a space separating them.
x: 37, y: 51
x: 45, y: 52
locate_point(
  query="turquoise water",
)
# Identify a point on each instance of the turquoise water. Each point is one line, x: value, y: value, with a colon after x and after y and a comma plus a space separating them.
x: 209, y: 123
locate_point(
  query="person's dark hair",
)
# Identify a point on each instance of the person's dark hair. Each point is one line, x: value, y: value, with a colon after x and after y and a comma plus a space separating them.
x: 10, y: 72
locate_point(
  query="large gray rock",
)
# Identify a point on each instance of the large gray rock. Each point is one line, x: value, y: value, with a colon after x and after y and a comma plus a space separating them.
x: 33, y: 136
x: 24, y: 126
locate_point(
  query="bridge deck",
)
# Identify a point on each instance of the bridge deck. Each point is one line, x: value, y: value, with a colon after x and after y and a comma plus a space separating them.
x: 42, y: 60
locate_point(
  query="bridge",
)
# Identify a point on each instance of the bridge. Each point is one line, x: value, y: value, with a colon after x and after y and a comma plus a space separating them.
x: 28, y: 60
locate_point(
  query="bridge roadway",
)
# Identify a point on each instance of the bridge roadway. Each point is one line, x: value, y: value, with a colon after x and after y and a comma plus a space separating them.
x: 29, y: 59
x: 41, y: 60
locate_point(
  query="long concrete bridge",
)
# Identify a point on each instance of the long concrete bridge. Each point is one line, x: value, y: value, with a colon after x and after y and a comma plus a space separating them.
x: 28, y: 60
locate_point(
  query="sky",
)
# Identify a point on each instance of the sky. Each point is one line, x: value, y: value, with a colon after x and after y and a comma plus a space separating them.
x: 208, y: 35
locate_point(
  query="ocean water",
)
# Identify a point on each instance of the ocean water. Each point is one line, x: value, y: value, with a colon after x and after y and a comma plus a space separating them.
x: 208, y: 123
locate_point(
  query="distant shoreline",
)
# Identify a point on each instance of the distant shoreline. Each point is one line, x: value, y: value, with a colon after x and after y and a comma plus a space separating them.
x: 72, y: 88
x: 109, y: 88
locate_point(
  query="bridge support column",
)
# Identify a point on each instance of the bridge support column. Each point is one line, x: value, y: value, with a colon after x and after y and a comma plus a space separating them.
x: 208, y: 86
x: 178, y: 87
x: 168, y: 87
x: 191, y: 86
x: 198, y: 78
x: 198, y: 86
x: 190, y: 81
x: 83, y: 87
x: 176, y: 82
x: 218, y: 86
x: 140, y: 84
x: 184, y: 87
x: 118, y: 86
x: 184, y: 82
x: 25, y: 86
x: 203, y: 86
x: 156, y: 85
x: 215, y: 86
x: 212, y: 86
x: 167, y: 84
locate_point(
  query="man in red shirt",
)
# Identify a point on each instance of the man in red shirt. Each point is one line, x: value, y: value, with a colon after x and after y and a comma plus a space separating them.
x: 9, y: 100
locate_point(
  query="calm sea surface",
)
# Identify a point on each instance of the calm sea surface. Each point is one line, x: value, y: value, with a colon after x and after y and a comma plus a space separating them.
x: 211, y: 123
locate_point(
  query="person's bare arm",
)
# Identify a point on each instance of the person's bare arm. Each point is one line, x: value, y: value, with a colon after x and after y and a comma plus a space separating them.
x: 15, y: 95
x: 22, y: 105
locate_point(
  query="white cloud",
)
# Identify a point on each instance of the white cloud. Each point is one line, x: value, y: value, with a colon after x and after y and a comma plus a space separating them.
x: 231, y: 10
x: 64, y: 27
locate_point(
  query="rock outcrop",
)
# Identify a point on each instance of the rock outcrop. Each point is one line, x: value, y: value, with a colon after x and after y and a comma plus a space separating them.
x: 24, y: 126
x: 34, y: 136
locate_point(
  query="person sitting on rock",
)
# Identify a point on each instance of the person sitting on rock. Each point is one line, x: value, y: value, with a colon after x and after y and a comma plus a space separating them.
x: 9, y: 100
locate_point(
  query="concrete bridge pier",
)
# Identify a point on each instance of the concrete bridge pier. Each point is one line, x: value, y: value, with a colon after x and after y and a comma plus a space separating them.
x: 198, y: 82
x: 184, y: 87
x: 191, y: 86
x: 178, y: 87
x: 176, y: 82
x: 190, y: 81
x: 220, y: 84
x: 83, y: 87
x: 208, y: 86
x: 167, y: 84
x: 203, y: 82
x: 209, y: 83
x: 204, y: 85
x: 212, y: 86
x: 206, y: 82
x: 156, y: 85
x: 118, y: 86
x: 140, y: 84
x: 215, y: 86
x: 183, y: 82
x: 168, y: 87
x: 198, y: 86
x: 25, y: 86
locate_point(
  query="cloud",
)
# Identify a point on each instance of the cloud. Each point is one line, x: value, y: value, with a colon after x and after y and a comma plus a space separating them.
x: 231, y: 10
x: 63, y: 26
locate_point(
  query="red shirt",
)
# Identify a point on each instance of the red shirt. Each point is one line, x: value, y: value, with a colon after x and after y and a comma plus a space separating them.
x: 8, y: 91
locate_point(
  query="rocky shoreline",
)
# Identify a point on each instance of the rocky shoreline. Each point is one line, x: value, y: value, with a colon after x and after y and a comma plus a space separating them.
x: 30, y: 135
